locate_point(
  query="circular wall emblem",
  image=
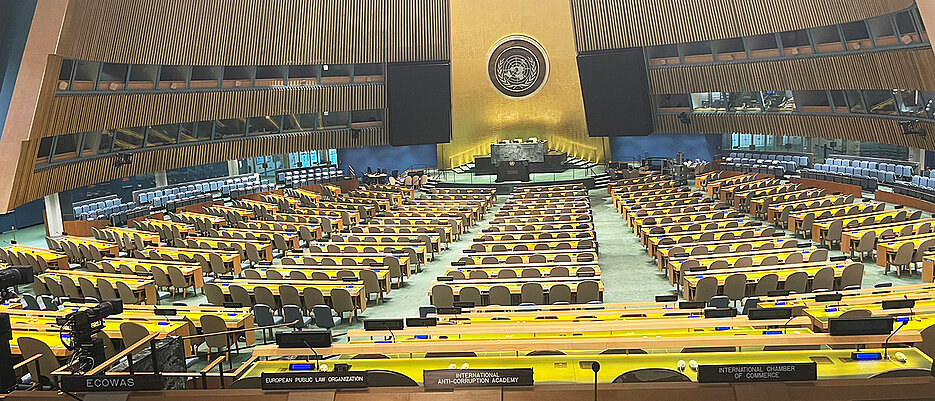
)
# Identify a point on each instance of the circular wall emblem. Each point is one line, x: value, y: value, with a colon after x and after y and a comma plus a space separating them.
x: 518, y: 66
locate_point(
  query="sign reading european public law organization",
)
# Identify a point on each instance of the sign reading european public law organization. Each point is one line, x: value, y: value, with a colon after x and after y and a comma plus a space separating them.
x: 313, y: 380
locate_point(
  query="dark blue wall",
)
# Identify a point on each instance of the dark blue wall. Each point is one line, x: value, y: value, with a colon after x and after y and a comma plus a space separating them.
x: 15, y: 19
x: 695, y: 146
x: 26, y: 215
x: 389, y: 157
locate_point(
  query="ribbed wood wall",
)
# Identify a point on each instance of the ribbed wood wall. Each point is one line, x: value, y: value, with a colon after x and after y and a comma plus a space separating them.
x: 31, y: 185
x: 616, y: 24
x: 92, y: 112
x: 887, y: 69
x: 255, y: 32
x: 848, y: 127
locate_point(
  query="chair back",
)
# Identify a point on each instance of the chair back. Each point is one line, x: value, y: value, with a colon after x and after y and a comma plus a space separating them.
x: 241, y: 296
x: 214, y: 324
x: 559, y: 293
x: 48, y: 363
x: 796, y: 282
x: 500, y: 295
x: 442, y: 296
x: 324, y: 316
x: 263, y: 315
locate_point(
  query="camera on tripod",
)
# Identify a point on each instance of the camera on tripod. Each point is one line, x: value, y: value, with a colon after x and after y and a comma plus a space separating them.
x: 78, y: 332
x: 12, y: 277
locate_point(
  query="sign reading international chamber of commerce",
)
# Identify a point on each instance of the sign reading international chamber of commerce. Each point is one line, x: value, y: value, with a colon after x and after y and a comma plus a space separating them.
x: 104, y: 383
x: 313, y: 380
x: 449, y: 379
x: 762, y: 372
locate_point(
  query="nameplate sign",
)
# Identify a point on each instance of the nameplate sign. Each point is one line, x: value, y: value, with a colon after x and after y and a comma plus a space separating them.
x: 313, y: 380
x: 761, y: 372
x: 450, y: 379
x: 103, y: 383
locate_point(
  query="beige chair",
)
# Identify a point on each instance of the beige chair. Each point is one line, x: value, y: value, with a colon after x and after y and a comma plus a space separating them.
x: 532, y: 293
x: 765, y: 284
x: 127, y: 294
x: 213, y: 294
x: 211, y: 324
x: 132, y: 333
x: 735, y: 286
x: 455, y: 274
x: 559, y: 293
x: 478, y: 275
x: 506, y: 273
x: 89, y: 288
x: 794, y: 258
x: 264, y: 295
x: 442, y: 296
x: 902, y: 259
x: 852, y: 276
x: 47, y: 362
x: 371, y: 283
x: 342, y: 302
x: 470, y: 294
x: 823, y: 279
x: 588, y: 291
x: 531, y: 273
x: 796, y: 282
x: 312, y: 296
x: 705, y: 289
x: 559, y: 271
x: 241, y: 296
x: 818, y: 255
x: 70, y: 287
x: 162, y: 280
x: 500, y: 295
x: 289, y: 295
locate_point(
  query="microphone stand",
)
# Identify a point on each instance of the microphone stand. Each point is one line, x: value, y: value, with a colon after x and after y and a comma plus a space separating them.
x: 596, y: 367
x: 885, y: 349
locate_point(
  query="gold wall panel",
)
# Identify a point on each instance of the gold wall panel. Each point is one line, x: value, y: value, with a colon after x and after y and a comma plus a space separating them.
x: 92, y: 112
x: 849, y: 127
x: 614, y: 24
x: 481, y: 114
x: 34, y: 185
x: 887, y: 69
x: 255, y: 32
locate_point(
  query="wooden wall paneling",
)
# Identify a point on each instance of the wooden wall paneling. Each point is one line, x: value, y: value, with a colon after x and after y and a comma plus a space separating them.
x: 92, y: 112
x: 885, y: 69
x: 33, y: 185
x: 614, y: 24
x: 849, y: 127
x: 256, y: 32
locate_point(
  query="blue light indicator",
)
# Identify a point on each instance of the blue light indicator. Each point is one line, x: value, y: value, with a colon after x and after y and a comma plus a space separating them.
x: 693, y: 316
x: 300, y: 366
x: 722, y: 328
x: 867, y: 356
x: 231, y: 314
x: 772, y: 332
x: 781, y: 303
x: 902, y: 319
x: 163, y: 323
x: 831, y: 309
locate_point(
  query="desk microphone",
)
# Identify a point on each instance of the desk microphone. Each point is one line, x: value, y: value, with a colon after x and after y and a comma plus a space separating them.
x: 885, y: 349
x: 595, y: 367
x: 313, y: 350
x: 785, y: 326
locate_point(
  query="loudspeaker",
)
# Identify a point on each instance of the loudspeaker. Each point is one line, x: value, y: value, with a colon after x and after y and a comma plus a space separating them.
x: 615, y: 88
x: 418, y: 99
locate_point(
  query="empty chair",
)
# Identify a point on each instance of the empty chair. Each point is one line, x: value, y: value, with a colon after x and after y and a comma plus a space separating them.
x: 126, y: 294
x: 325, y: 316
x: 264, y: 318
x: 239, y: 295
x: 48, y: 363
x: 342, y: 302
x: 823, y: 279
x: 312, y: 296
x: 506, y: 273
x: 293, y: 314
x: 735, y: 286
x: 132, y: 333
x: 214, y: 294
x: 559, y: 293
x: 794, y: 258
x: 457, y: 275
x: 588, y: 291
x: 442, y: 296
x: 796, y: 282
x: 532, y: 293
x: 766, y: 284
x: 818, y: 255
x: 531, y: 273
x: 719, y: 302
x: 560, y: 271
x: 902, y: 258
x: 705, y: 288
x: 470, y: 294
x: 743, y: 262
x: 500, y: 295
x: 289, y: 295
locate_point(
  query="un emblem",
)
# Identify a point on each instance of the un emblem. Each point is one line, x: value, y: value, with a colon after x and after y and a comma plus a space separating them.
x: 518, y: 67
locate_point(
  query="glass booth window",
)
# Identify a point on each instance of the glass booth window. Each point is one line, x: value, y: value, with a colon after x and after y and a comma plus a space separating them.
x: 45, y: 148
x: 778, y: 101
x: 881, y: 102
x: 265, y: 125
x: 334, y: 119
x: 162, y: 135
x: 129, y: 138
x: 66, y: 147
x: 230, y: 128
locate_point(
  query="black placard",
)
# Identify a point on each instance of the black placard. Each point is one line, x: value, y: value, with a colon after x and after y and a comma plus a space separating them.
x: 758, y: 372
x: 449, y: 379
x: 313, y: 380
x: 769, y: 313
x: 105, y: 383
x: 828, y: 297
x: 899, y: 304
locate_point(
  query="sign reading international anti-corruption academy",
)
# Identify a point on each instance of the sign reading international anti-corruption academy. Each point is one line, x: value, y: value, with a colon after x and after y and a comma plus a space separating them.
x: 761, y: 372
x: 448, y: 379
